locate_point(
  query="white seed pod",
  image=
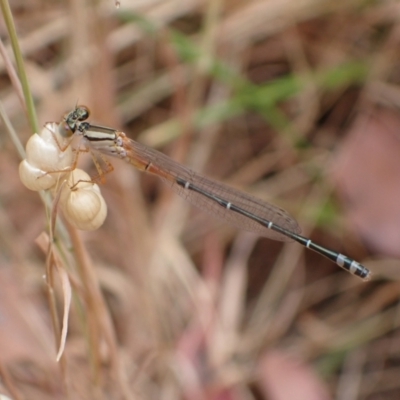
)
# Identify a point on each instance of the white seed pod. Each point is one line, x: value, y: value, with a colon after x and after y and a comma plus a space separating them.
x: 51, y: 134
x: 83, y: 206
x: 34, y: 178
x: 43, y: 151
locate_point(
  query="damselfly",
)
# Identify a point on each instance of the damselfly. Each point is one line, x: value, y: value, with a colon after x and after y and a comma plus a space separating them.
x: 238, y: 208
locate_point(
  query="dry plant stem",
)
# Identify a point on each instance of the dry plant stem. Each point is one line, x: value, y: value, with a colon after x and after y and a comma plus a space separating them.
x: 50, y: 264
x: 92, y: 298
x: 9, y: 384
x: 207, y: 48
x: 11, y: 131
x: 12, y: 73
x: 46, y: 244
x: 50, y: 293
x: 188, y: 103
x: 100, y: 323
x: 174, y: 71
x: 51, y: 261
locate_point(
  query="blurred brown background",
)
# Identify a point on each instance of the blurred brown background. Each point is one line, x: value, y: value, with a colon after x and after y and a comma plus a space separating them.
x: 295, y: 102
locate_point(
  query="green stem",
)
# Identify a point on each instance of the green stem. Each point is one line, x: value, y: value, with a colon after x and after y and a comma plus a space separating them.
x: 30, y: 107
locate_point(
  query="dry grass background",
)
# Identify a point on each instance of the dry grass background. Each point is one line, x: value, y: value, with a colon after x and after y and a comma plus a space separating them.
x: 167, y: 302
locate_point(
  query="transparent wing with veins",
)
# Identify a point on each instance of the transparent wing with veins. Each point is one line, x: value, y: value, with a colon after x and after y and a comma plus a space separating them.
x: 203, y: 191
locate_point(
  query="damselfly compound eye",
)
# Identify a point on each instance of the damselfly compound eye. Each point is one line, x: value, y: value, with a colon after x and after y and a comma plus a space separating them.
x: 82, y: 113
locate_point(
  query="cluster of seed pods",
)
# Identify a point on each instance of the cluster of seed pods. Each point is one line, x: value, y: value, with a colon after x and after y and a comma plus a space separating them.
x: 50, y: 165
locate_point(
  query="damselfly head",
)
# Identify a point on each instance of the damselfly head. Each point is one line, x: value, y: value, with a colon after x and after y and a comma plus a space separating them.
x: 80, y: 113
x: 71, y: 120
